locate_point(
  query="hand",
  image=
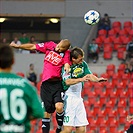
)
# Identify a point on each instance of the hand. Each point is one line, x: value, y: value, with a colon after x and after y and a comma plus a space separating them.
x: 14, y: 45
x: 85, y: 78
x: 102, y: 80
x: 67, y: 70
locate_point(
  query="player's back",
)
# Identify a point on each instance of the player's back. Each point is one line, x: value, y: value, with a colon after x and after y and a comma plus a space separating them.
x: 16, y: 104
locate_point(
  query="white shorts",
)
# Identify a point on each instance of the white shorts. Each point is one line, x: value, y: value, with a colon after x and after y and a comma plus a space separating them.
x: 75, y: 114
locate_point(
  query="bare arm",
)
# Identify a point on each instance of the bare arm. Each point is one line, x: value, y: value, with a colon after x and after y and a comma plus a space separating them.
x: 27, y: 46
x: 67, y: 67
x: 75, y: 81
x: 93, y: 78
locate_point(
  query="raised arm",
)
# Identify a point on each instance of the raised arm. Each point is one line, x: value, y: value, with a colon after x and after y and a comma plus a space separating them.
x: 75, y: 81
x: 27, y: 46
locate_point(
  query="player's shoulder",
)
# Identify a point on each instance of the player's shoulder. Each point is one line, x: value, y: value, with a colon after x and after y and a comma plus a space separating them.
x: 84, y: 63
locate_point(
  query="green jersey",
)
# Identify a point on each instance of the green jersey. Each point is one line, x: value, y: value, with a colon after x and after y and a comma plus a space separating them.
x: 77, y: 71
x: 19, y: 102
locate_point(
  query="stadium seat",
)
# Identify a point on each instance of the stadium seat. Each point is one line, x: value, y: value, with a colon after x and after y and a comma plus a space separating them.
x: 125, y: 40
x: 124, y: 93
x: 113, y: 129
x: 121, y: 86
x: 100, y: 119
x: 40, y: 77
x: 91, y: 100
x: 121, y: 69
x: 102, y: 32
x: 20, y: 74
x: 104, y: 75
x: 116, y: 24
x: 112, y: 121
x: 116, y: 77
x: 122, y: 103
x: 131, y: 33
x: 131, y: 110
x: 110, y: 69
x: 108, y: 40
x: 122, y: 119
x: 120, y: 53
x: 38, y: 86
x: 112, y: 100
x: 99, y: 42
x: 103, y: 129
x: 101, y: 101
x: 112, y: 32
x: 107, y: 54
x: 123, y: 32
x: 117, y: 43
x: 127, y: 24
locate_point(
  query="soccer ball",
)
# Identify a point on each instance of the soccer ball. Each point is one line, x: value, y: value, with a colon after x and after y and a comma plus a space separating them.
x: 92, y: 17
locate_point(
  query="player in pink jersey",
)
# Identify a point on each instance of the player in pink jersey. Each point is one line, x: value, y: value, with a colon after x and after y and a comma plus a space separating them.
x: 56, y: 55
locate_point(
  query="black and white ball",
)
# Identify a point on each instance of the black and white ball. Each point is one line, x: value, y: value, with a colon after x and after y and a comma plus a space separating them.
x: 92, y: 17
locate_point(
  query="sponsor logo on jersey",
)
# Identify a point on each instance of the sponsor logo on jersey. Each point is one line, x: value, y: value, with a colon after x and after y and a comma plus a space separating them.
x: 53, y: 58
x: 77, y: 71
x: 40, y: 44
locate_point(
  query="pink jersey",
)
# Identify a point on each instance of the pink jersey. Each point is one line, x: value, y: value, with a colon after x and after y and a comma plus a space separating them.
x: 53, y: 61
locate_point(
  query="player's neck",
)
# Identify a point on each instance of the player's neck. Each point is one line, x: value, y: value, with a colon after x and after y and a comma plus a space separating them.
x: 6, y: 70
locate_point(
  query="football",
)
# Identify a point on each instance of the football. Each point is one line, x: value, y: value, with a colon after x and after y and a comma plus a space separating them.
x: 92, y: 17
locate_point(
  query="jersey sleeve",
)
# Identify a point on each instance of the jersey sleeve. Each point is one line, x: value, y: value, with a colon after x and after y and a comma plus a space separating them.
x: 35, y: 103
x: 65, y: 76
x: 86, y: 69
x: 42, y: 47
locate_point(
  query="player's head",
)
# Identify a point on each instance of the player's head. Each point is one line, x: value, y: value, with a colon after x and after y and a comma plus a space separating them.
x: 63, y: 45
x: 6, y: 56
x: 76, y: 55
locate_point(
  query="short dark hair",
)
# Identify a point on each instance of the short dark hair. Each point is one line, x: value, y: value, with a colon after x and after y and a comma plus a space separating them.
x: 6, y: 56
x: 75, y: 52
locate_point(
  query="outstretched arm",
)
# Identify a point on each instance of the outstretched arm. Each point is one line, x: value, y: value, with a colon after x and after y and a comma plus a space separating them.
x: 75, y: 81
x: 93, y: 78
x: 27, y: 46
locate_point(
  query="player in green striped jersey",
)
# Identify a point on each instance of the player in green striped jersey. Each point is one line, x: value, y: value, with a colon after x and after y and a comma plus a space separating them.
x: 19, y: 101
x: 75, y: 114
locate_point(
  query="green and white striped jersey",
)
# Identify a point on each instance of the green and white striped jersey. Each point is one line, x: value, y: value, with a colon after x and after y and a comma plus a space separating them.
x: 77, y: 71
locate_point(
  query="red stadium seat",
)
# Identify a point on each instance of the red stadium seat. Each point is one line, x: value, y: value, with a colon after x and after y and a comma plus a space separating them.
x: 40, y: 77
x: 125, y: 40
x: 113, y: 129
x: 127, y: 24
x: 116, y: 24
x: 107, y: 53
x: 101, y: 101
x: 103, y: 129
x: 112, y: 32
x: 131, y: 110
x: 99, y: 42
x: 117, y: 43
x: 102, y: 32
x: 121, y: 68
x: 131, y: 33
x: 110, y: 69
x: 39, y: 86
x: 20, y: 74
x: 120, y: 53
x: 123, y: 32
